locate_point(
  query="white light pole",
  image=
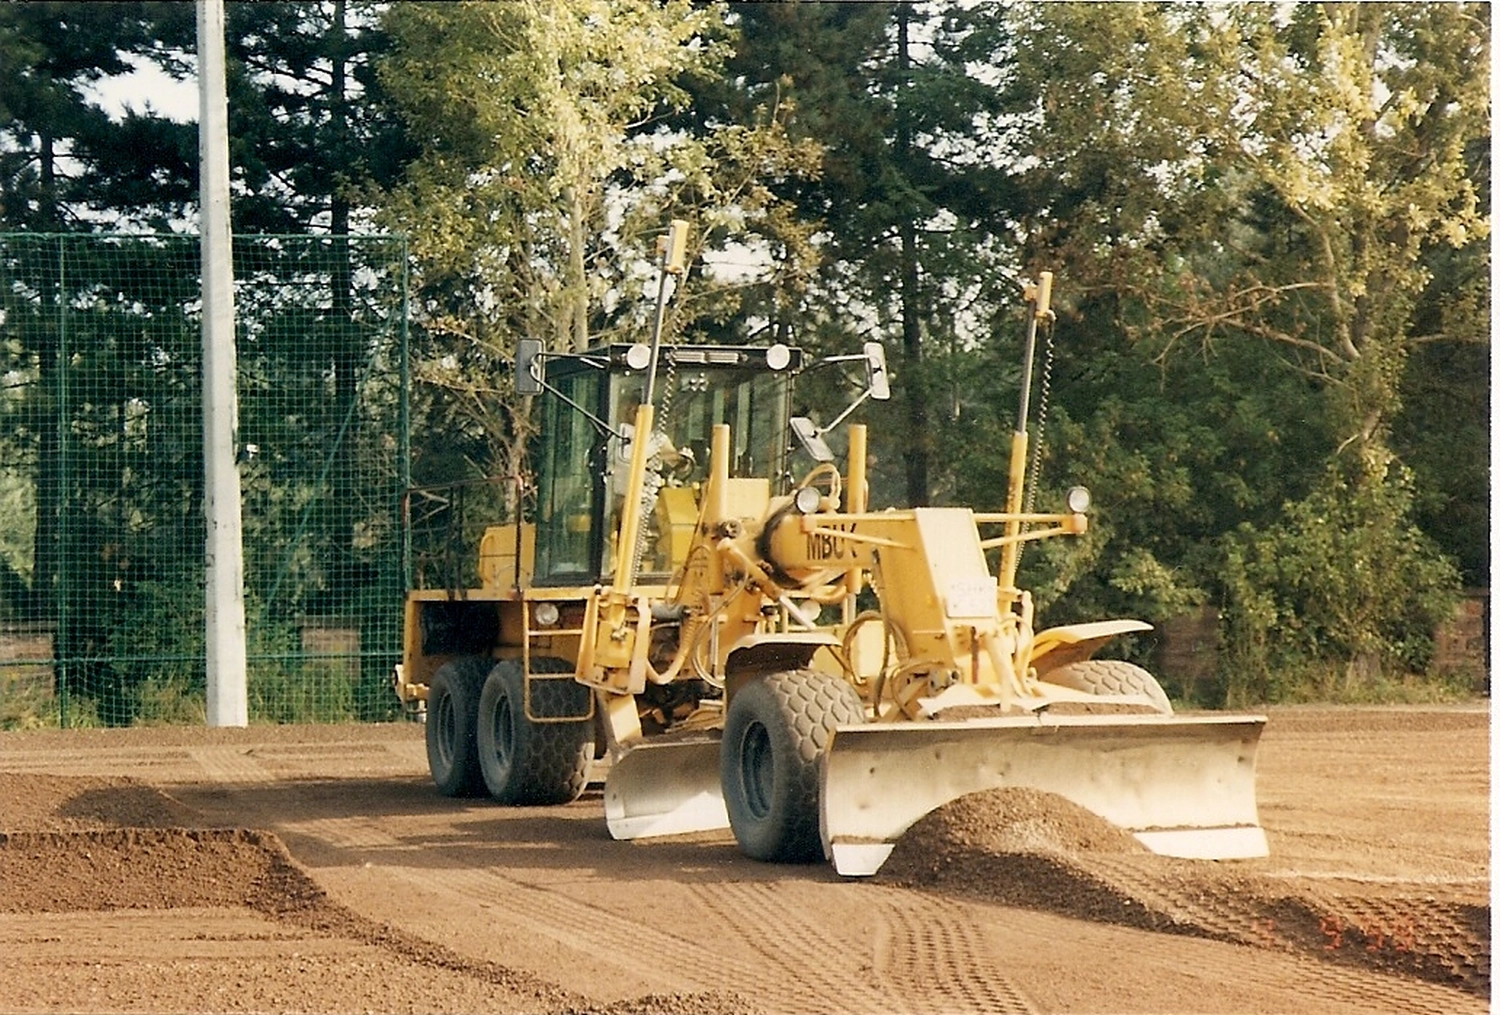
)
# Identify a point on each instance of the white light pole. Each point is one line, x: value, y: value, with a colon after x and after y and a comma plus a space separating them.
x: 224, y: 593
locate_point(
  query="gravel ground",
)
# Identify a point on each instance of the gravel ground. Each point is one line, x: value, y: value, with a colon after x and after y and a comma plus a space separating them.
x: 314, y: 869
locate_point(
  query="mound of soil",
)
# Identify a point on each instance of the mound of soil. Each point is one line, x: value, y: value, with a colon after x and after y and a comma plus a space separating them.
x: 40, y: 802
x: 116, y: 844
x: 677, y: 1004
x: 1005, y: 821
x: 1023, y: 847
x: 1020, y: 847
x: 149, y: 868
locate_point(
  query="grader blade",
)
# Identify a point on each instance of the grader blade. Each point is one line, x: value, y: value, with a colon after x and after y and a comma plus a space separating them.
x: 1184, y: 786
x: 665, y: 789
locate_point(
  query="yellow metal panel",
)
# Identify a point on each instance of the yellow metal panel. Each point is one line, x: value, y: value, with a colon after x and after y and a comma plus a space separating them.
x: 497, y: 556
x: 1185, y: 786
x: 1062, y: 646
x: 677, y: 517
x: 747, y: 498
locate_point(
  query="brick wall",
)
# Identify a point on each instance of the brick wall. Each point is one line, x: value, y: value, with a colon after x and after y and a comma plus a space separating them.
x: 21, y: 642
x: 1462, y: 645
x: 1187, y: 646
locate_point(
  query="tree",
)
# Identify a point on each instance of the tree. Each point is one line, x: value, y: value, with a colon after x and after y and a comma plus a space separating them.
x: 313, y: 133
x: 907, y: 198
x: 63, y: 161
x: 1291, y: 180
x: 548, y: 170
x: 314, y: 137
x: 64, y: 164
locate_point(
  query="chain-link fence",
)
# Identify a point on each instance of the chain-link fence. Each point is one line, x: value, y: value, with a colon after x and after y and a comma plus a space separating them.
x: 101, y: 478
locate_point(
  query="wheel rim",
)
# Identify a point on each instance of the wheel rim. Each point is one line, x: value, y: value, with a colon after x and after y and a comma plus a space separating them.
x: 446, y: 724
x: 757, y: 769
x: 503, y: 732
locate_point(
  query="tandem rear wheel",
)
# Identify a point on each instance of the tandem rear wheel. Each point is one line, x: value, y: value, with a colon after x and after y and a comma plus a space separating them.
x: 452, y: 710
x: 775, y: 734
x: 543, y: 757
x: 480, y: 738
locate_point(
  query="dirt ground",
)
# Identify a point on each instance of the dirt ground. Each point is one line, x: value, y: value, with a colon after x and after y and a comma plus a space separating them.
x: 314, y: 869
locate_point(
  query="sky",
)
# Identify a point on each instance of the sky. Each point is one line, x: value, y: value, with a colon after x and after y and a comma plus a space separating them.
x: 149, y: 86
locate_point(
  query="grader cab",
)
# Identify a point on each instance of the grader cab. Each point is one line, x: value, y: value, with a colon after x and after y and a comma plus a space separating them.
x: 705, y: 599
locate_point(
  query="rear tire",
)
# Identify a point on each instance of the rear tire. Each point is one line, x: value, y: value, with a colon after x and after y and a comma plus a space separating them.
x: 775, y: 733
x: 452, y: 705
x: 526, y: 762
x: 1110, y: 678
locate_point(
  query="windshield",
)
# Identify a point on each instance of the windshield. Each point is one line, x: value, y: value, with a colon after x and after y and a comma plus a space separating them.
x: 584, y: 470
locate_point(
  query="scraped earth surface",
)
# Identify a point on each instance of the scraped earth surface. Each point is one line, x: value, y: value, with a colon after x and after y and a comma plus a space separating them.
x: 314, y: 869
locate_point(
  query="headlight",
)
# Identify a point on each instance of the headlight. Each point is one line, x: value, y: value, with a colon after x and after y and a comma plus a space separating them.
x: 638, y: 356
x: 1078, y: 499
x: 809, y: 499
x: 545, y: 614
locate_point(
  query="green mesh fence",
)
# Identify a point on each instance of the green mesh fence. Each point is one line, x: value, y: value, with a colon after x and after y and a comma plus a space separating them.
x: 101, y: 476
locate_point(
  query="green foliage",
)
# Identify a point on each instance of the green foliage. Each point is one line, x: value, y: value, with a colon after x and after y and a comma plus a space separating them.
x: 18, y: 505
x: 310, y: 128
x: 64, y: 163
x: 1345, y: 590
x: 1268, y: 214
x: 27, y: 701
x: 102, y: 436
x: 1174, y: 453
x: 1270, y: 226
x: 910, y: 197
x: 549, y: 166
x: 1443, y: 433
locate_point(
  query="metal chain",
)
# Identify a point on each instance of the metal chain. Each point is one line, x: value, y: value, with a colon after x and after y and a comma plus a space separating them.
x: 1048, y: 351
x: 654, y: 481
x: 670, y: 387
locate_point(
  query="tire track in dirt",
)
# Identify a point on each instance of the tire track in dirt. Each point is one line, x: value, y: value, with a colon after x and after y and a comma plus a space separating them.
x: 1436, y: 951
x: 350, y: 839
x: 569, y: 924
x: 1333, y: 987
x: 933, y: 963
x: 937, y: 961
x: 577, y: 932
x: 918, y: 955
x: 233, y: 765
x: 1366, y: 925
x: 801, y: 969
x: 138, y: 761
x: 316, y: 839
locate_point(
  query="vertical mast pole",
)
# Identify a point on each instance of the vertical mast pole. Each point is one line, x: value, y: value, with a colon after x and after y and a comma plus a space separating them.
x: 1039, y: 307
x: 224, y: 593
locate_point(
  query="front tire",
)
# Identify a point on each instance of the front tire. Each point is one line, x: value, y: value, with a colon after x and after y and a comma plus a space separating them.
x: 775, y: 733
x: 452, y: 705
x: 526, y: 762
x: 1110, y: 678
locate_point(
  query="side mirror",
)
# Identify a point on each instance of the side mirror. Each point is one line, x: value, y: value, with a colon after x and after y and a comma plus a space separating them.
x: 876, y: 379
x: 811, y: 439
x: 528, y: 367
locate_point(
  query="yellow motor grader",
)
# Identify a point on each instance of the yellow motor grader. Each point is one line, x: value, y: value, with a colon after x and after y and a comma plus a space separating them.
x: 749, y: 644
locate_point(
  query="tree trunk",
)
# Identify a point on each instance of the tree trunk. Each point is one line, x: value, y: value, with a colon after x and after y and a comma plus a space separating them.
x: 577, y: 287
